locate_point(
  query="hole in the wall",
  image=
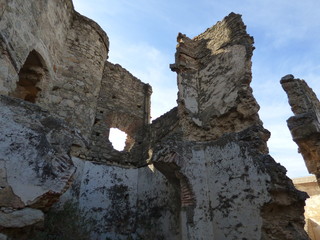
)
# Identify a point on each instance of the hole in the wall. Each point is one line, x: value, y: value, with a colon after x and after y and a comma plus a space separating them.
x: 117, y: 138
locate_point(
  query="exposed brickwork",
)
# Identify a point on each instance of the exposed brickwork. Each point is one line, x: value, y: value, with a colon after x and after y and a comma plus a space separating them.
x: 169, y: 166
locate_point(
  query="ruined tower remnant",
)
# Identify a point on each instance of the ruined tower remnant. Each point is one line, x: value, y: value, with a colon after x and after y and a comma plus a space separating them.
x: 305, y: 130
x: 214, y: 73
x: 200, y: 171
x: 305, y: 124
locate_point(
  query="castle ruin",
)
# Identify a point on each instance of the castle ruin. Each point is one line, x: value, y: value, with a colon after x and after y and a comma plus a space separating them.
x: 200, y: 171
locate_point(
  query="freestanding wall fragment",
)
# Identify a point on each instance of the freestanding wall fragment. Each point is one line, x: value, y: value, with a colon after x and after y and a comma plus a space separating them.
x: 305, y: 124
x: 214, y: 73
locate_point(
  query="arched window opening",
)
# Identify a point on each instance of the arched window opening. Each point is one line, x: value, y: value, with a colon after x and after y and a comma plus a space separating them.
x: 118, y: 139
x: 30, y: 75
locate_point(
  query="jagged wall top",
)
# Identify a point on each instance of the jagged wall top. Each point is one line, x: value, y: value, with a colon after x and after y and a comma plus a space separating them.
x: 305, y: 124
x: 214, y: 73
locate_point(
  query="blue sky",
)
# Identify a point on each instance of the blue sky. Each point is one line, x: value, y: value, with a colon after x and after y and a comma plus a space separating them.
x: 143, y: 33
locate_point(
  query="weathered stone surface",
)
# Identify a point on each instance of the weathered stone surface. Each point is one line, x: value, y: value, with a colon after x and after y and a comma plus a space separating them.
x: 305, y: 124
x: 20, y: 218
x: 36, y: 166
x: 125, y: 202
x: 123, y: 103
x: 231, y: 189
x: 214, y: 73
x: 71, y: 57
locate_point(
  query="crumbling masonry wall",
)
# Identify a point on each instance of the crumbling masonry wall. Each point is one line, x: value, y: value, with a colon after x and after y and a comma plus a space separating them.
x: 36, y: 167
x: 72, y: 50
x: 214, y: 72
x: 125, y: 202
x: 305, y: 124
x: 123, y: 103
x: 230, y: 188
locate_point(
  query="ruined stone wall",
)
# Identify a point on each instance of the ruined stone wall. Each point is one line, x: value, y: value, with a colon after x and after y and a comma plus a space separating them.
x: 238, y: 188
x: 165, y: 125
x: 124, y: 202
x: 35, y: 165
x: 27, y: 26
x: 229, y: 187
x: 70, y: 51
x: 305, y: 124
x: 79, y: 79
x: 214, y: 72
x: 36, y: 168
x: 123, y: 103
